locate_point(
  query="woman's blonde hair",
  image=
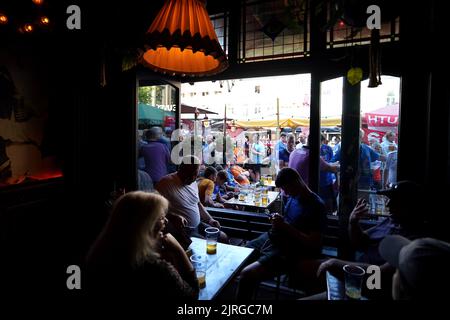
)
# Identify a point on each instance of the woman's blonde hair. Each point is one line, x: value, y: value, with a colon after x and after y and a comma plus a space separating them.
x: 131, y: 232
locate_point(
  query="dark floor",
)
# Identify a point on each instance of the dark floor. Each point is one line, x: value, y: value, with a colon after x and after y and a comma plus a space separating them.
x: 267, y: 289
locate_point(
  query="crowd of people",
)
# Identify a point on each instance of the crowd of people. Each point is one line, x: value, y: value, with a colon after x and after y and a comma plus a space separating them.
x: 143, y: 245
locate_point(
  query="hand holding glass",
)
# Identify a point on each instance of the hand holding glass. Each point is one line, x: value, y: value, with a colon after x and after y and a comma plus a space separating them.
x: 353, y: 281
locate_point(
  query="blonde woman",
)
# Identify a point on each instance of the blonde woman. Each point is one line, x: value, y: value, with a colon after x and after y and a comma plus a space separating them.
x: 132, y: 254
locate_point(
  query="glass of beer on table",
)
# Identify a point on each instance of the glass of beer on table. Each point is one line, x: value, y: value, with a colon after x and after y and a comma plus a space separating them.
x: 199, y: 263
x: 212, y: 234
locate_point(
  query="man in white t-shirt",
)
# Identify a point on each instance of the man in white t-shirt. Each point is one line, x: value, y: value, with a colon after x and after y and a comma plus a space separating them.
x: 390, y: 171
x: 388, y: 143
x: 185, y: 209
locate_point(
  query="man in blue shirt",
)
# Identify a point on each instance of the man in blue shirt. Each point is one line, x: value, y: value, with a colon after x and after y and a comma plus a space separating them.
x: 326, y: 191
x: 284, y: 154
x: 281, y: 144
x: 294, y: 237
x: 366, y: 156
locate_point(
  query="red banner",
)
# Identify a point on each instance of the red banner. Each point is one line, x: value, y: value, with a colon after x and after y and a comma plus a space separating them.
x: 381, y: 120
x: 370, y: 134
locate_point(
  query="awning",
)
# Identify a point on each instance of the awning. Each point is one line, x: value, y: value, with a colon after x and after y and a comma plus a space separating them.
x: 293, y: 123
x: 188, y: 109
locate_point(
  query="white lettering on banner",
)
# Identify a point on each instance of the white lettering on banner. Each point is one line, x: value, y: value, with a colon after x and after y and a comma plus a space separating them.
x: 392, y: 120
x: 166, y: 107
x: 380, y: 120
x: 372, y: 119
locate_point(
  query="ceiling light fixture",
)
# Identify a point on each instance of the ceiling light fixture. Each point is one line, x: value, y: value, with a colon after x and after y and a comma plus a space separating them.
x: 182, y: 41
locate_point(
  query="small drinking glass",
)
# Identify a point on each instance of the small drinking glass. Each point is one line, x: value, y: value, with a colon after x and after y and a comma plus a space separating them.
x: 199, y: 263
x: 353, y: 281
x: 212, y: 234
x: 264, y: 200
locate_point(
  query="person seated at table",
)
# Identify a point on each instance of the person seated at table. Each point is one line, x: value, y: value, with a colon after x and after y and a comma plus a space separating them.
x: 132, y: 255
x: 407, y: 218
x: 231, y: 183
x: 225, y: 187
x: 296, y: 236
x: 220, y: 193
x: 240, y: 175
x: 206, y: 187
x: 186, y: 212
x: 418, y: 266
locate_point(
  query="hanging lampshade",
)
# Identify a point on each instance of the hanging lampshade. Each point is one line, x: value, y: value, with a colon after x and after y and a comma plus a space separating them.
x: 182, y: 41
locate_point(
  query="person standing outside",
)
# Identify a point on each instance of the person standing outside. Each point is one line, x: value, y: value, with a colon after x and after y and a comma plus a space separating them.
x: 326, y: 190
x: 247, y: 148
x: 388, y: 143
x: 257, y: 155
x: 284, y: 154
x: 156, y: 155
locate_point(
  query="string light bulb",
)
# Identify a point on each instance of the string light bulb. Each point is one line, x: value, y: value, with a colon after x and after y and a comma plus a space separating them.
x: 44, y: 21
x: 28, y: 28
x: 38, y: 2
x: 3, y: 19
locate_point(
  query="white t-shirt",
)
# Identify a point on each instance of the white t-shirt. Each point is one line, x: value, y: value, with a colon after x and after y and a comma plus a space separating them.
x: 391, y: 165
x: 183, y: 199
x: 388, y: 146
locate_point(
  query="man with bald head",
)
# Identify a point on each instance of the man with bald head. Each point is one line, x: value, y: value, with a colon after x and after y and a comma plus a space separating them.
x: 185, y: 209
x: 156, y: 155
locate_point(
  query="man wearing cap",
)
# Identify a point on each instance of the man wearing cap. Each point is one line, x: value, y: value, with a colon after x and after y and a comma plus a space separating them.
x: 408, y: 218
x: 406, y: 203
x: 421, y: 267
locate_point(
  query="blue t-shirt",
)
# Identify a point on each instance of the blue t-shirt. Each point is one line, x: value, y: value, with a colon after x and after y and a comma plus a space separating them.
x: 326, y: 152
x: 326, y: 178
x: 257, y: 158
x: 366, y: 157
x: 284, y: 155
x: 336, y: 152
x: 306, y: 216
x: 280, y: 146
x: 230, y: 178
x: 218, y: 190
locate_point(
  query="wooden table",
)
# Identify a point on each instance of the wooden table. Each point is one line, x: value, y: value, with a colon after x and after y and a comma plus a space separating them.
x: 221, y: 267
x: 272, y: 196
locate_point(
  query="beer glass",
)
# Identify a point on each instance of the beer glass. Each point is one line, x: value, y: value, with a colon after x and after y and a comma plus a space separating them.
x: 353, y: 281
x: 212, y: 234
x: 199, y: 263
x: 264, y: 200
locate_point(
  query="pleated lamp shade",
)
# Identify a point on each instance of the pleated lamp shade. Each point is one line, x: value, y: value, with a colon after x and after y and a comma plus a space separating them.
x: 182, y: 41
